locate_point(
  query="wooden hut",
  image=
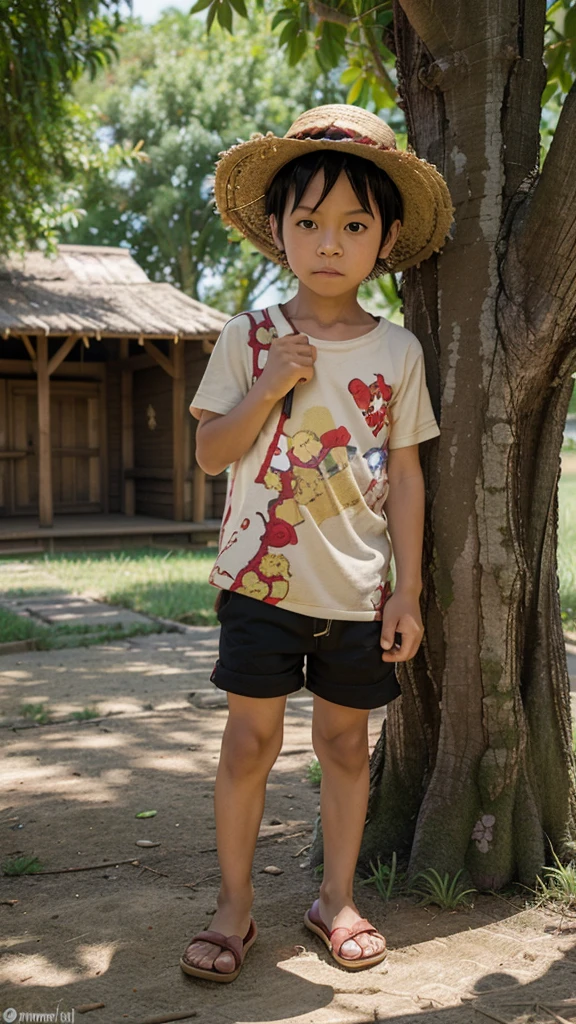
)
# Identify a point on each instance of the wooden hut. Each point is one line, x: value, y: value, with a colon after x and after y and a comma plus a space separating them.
x: 98, y: 365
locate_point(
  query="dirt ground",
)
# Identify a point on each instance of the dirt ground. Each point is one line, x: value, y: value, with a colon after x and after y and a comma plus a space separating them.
x: 113, y: 935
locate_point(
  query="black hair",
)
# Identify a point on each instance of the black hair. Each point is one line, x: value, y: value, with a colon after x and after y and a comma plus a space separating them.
x: 364, y: 176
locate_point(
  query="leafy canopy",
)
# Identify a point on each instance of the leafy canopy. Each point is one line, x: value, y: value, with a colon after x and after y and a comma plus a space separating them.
x: 44, y: 48
x: 183, y: 97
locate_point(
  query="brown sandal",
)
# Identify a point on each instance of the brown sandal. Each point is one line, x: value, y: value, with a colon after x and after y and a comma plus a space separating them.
x: 231, y: 943
x: 335, y: 939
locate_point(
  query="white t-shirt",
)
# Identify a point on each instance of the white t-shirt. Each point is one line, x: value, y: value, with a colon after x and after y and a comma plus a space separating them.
x: 304, y: 524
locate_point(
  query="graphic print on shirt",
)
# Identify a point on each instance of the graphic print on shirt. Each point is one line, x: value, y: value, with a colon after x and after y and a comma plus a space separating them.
x: 261, y: 336
x: 372, y: 400
x: 377, y: 491
x: 305, y: 473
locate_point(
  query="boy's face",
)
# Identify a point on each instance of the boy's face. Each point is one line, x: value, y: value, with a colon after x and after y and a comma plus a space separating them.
x: 332, y: 249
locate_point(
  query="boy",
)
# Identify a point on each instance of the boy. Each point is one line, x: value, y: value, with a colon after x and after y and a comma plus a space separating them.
x: 319, y: 408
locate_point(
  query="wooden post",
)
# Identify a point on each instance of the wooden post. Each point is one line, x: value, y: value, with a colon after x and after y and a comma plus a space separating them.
x: 103, y: 424
x: 4, y: 463
x: 127, y: 443
x: 199, y: 502
x: 179, y: 447
x: 44, y: 444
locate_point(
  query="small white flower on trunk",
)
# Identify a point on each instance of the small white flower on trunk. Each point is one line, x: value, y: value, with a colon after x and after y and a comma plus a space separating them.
x: 483, y: 832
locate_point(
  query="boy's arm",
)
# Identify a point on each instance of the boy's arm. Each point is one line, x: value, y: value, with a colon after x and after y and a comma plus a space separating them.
x: 221, y: 440
x: 405, y: 513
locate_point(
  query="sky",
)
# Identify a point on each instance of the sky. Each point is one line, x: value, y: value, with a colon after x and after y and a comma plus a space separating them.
x: 149, y: 10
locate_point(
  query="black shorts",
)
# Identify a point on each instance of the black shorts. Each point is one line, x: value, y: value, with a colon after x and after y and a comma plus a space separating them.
x: 263, y: 647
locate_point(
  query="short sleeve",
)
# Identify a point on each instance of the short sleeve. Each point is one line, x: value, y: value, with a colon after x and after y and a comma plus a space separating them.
x: 227, y: 379
x: 411, y: 414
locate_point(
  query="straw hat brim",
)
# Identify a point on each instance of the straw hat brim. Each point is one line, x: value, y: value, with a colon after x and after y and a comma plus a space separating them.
x: 245, y: 172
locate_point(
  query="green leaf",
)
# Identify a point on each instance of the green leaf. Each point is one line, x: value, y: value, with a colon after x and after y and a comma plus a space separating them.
x: 555, y: 59
x: 283, y: 15
x: 147, y: 814
x: 364, y: 97
x: 240, y: 8
x: 224, y: 15
x: 331, y: 48
x: 356, y: 89
x: 570, y: 24
x: 211, y: 16
x: 548, y: 93
x: 565, y: 80
x: 297, y: 48
x: 288, y: 33
x: 350, y: 75
x: 200, y: 6
x: 555, y: 8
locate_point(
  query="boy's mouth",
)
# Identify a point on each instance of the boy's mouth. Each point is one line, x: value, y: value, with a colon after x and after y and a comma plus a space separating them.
x: 330, y: 271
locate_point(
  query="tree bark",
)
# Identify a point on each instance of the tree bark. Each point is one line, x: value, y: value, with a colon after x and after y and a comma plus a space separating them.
x: 478, y: 769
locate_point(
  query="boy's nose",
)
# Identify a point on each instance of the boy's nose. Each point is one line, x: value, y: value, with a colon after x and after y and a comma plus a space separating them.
x: 329, y: 247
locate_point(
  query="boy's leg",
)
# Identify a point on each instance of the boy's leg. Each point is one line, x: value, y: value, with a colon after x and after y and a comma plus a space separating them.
x: 250, y: 745
x: 340, y: 738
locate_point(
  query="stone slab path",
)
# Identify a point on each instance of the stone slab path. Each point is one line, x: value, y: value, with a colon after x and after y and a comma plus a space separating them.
x: 71, y: 610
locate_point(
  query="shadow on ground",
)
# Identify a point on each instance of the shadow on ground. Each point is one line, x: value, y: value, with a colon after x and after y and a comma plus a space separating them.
x: 114, y: 934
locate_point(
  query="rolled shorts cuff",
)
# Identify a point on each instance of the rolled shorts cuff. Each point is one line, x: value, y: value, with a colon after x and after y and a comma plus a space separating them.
x: 367, y: 698
x: 252, y: 685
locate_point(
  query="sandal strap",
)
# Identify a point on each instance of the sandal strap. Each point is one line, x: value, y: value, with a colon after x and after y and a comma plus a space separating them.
x: 231, y: 943
x: 338, y: 936
x: 341, y: 935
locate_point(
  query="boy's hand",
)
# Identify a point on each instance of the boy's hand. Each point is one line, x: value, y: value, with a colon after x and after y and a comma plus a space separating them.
x: 401, y: 614
x: 290, y: 360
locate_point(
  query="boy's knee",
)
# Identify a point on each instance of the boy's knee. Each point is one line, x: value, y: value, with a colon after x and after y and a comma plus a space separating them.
x: 246, y: 748
x: 348, y: 749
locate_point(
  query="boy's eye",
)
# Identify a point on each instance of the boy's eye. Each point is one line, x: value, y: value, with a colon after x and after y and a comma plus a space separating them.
x: 356, y: 227
x: 307, y: 224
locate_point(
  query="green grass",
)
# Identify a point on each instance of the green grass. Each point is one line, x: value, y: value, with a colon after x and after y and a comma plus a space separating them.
x: 48, y: 638
x: 440, y: 890
x: 15, y: 627
x: 21, y: 866
x: 85, y: 715
x: 42, y: 714
x: 314, y: 772
x: 36, y: 713
x: 384, y: 877
x: 557, y: 885
x: 172, y: 585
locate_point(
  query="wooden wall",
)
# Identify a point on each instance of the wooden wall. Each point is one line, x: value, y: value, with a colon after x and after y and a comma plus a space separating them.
x: 152, y: 402
x: 153, y: 447
x: 196, y: 362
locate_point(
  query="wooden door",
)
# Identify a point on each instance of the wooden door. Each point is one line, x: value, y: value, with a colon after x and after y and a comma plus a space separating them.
x: 76, y: 430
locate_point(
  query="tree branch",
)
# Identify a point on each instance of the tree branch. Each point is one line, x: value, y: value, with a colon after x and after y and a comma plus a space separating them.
x: 426, y: 20
x: 380, y: 69
x: 546, y: 223
x: 326, y: 13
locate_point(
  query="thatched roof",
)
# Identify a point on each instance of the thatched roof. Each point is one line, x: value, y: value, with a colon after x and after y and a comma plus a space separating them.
x: 96, y: 291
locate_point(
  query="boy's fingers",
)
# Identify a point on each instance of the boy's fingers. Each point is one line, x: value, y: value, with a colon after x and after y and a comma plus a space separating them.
x: 387, y: 636
x: 409, y: 643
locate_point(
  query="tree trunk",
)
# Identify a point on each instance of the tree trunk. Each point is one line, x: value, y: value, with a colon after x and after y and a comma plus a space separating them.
x: 478, y: 769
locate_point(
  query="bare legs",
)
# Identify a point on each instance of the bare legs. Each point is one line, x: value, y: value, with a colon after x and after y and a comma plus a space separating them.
x: 250, y: 745
x: 340, y: 738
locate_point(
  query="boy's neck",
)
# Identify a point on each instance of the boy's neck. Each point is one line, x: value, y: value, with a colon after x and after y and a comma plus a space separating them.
x: 332, y: 314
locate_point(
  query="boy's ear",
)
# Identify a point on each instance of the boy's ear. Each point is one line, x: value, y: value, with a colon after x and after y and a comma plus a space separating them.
x: 390, y: 240
x: 275, y: 233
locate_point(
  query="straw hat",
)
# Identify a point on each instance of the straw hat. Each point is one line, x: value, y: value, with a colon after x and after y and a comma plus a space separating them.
x: 245, y: 172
